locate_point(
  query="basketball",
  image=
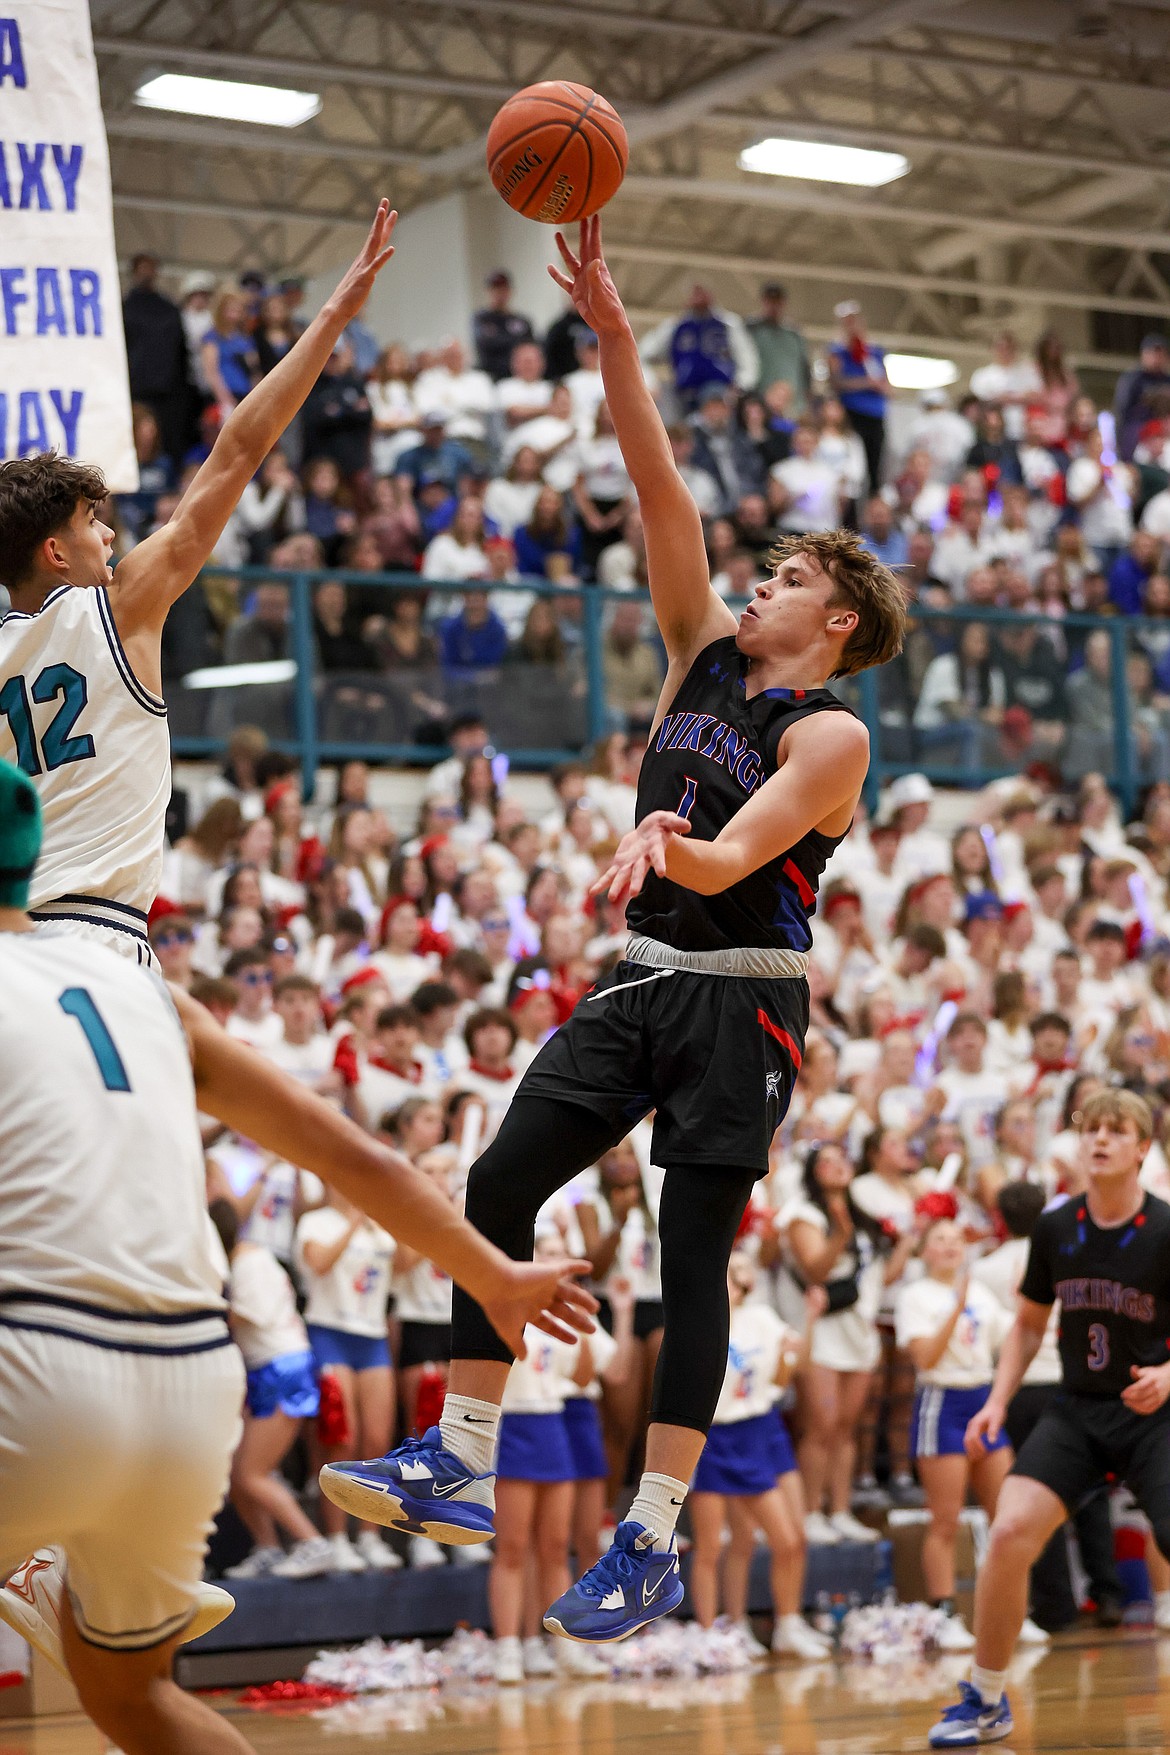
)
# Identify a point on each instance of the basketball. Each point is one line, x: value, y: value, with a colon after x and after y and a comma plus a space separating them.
x: 557, y: 152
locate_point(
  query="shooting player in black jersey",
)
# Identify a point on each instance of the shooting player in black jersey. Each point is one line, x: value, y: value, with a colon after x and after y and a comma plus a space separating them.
x: 1105, y: 1255
x: 750, y: 780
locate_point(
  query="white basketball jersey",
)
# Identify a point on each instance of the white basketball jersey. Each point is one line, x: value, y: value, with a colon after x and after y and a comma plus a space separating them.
x: 95, y: 744
x: 103, y: 1229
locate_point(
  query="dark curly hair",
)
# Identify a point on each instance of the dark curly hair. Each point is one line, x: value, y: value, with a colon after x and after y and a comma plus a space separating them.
x: 38, y: 497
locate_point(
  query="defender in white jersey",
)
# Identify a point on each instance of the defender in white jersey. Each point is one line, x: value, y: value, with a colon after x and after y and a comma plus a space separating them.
x: 120, y: 1391
x: 81, y: 708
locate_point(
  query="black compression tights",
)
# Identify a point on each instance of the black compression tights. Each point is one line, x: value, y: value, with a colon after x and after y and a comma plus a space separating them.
x: 542, y: 1143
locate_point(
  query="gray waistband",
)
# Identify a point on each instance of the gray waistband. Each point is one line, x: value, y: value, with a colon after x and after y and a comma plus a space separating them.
x: 772, y: 965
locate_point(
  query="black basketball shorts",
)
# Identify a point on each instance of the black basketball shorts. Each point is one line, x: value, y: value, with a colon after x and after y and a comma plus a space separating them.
x: 1082, y: 1441
x: 715, y: 1056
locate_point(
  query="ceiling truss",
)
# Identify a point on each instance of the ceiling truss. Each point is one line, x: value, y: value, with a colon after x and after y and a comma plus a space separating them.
x: 1039, y: 188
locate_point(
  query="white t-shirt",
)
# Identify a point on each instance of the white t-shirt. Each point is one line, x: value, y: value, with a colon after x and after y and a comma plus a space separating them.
x: 759, y: 1341
x: 422, y: 1294
x: 813, y: 490
x: 844, y: 1340
x: 637, y: 1252
x: 973, y: 1100
x: 265, y: 1323
x: 1001, y: 1272
x: 352, y: 1295
x: 271, y: 1222
x: 383, y: 1091
x: 1019, y: 378
x: 263, y: 1033
x: 307, y: 1062
x: 921, y: 1309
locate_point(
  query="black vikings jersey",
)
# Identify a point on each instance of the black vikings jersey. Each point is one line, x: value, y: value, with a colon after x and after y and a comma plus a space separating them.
x: 710, y: 753
x: 1113, y: 1285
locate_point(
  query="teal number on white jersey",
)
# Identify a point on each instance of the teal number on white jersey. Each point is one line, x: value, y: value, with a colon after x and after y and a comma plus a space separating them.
x: 76, y: 719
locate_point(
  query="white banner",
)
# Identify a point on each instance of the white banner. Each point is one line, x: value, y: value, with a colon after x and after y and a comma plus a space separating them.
x: 63, y: 382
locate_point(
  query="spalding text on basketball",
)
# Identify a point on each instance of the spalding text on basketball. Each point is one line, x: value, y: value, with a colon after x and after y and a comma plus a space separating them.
x: 520, y: 170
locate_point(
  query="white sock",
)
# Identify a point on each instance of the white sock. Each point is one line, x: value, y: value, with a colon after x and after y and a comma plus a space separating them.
x: 469, y: 1430
x: 1162, y: 1600
x: 660, y: 1499
x: 989, y: 1683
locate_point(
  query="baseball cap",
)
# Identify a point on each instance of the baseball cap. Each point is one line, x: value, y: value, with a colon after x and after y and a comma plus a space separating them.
x: 498, y: 277
x: 434, y: 417
x: 199, y: 280
x: 910, y: 789
x: 847, y: 308
x: 772, y: 289
x: 982, y: 905
x: 1153, y: 339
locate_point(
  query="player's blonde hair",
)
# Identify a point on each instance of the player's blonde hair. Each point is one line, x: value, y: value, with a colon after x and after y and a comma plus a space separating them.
x: 860, y: 582
x: 1118, y: 1106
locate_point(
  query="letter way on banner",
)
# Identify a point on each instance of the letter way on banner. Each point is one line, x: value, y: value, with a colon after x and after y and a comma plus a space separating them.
x: 63, y: 381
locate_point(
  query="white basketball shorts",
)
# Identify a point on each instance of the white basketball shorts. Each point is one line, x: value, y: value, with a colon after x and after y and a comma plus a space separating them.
x: 127, y: 944
x: 121, y: 1459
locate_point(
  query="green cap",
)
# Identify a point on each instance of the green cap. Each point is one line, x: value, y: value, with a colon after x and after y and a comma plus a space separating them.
x: 20, y: 835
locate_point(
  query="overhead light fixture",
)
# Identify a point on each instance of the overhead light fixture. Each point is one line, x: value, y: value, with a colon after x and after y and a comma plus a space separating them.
x: 820, y: 162
x: 228, y: 100
x: 919, y: 371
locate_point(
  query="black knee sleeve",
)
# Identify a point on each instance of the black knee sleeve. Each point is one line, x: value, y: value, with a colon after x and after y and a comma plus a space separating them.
x: 702, y: 1206
x: 542, y: 1143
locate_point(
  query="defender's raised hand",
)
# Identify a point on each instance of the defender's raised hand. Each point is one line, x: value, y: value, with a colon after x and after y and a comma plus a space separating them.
x: 356, y: 284
x: 545, y: 1294
x: 587, y: 281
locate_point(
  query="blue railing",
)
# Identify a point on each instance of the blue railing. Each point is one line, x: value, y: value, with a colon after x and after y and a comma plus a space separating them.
x: 896, y: 747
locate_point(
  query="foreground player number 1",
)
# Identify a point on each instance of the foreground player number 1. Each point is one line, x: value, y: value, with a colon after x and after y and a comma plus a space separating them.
x: 1098, y: 1347
x: 78, y: 1004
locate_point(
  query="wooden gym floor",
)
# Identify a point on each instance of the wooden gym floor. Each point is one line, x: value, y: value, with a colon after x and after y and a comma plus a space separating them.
x: 1088, y: 1692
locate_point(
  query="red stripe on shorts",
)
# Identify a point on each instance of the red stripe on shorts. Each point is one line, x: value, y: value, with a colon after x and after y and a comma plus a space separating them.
x: 800, y: 883
x: 782, y: 1036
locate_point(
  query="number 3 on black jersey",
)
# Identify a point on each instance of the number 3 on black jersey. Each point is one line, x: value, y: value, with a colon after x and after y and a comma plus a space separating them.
x: 1098, y: 1347
x: 57, y: 746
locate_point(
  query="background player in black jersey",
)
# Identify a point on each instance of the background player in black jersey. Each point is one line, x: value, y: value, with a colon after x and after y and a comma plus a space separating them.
x: 1106, y: 1256
x: 750, y: 780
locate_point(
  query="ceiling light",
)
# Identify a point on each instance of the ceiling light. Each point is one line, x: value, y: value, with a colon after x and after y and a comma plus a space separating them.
x: 822, y: 163
x: 228, y: 100
x: 919, y: 371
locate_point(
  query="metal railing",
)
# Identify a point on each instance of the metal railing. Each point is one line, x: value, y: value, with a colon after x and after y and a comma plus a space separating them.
x: 574, y: 711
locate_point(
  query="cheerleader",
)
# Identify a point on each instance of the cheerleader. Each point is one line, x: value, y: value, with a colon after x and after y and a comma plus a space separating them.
x: 833, y: 1244
x: 535, y: 1487
x: 748, y: 1475
x: 583, y: 1423
x: 620, y: 1234
x: 344, y: 1263
x: 952, y: 1327
x: 281, y: 1392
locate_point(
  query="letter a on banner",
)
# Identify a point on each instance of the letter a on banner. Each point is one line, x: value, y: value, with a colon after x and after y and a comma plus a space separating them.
x: 62, y: 350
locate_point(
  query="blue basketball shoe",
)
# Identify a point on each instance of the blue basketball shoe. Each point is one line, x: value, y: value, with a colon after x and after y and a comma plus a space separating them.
x: 629, y: 1587
x: 971, y: 1722
x: 420, y: 1487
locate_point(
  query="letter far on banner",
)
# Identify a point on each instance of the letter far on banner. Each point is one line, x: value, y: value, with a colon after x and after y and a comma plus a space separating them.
x: 63, y: 378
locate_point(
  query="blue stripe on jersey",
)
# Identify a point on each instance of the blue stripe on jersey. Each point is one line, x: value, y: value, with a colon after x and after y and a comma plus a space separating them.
x: 165, y: 1319
x: 46, y: 918
x: 24, y: 615
x: 71, y: 1334
x: 104, y: 902
x: 151, y: 703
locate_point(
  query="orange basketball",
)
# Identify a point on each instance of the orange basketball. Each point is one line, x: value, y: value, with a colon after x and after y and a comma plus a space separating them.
x: 557, y: 152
